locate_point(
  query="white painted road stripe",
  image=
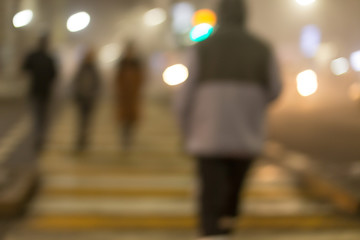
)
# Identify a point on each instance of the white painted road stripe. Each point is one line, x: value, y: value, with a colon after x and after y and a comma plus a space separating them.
x: 168, y: 206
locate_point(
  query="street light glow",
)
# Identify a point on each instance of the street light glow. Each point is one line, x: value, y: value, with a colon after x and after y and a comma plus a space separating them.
x: 110, y: 53
x: 354, y: 91
x: 175, y: 74
x: 310, y: 40
x: 307, y: 83
x: 155, y: 17
x: 22, y: 18
x: 78, y: 22
x: 340, y: 66
x: 355, y: 61
x: 305, y: 2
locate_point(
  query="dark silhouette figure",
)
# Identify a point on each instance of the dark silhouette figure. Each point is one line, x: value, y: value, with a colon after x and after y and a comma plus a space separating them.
x: 42, y: 69
x: 86, y: 90
x: 129, y: 81
x: 221, y: 110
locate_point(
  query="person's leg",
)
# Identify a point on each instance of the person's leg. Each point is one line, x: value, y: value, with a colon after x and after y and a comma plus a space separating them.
x: 212, y: 195
x: 237, y: 170
x: 40, y: 107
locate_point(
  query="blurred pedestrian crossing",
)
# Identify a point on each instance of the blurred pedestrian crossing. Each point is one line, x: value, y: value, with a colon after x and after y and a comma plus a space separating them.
x: 149, y: 191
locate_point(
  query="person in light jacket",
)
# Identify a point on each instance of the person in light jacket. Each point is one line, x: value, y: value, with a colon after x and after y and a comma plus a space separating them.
x: 221, y: 110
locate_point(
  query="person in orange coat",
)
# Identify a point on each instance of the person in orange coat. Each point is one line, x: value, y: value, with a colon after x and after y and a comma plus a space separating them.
x: 128, y: 85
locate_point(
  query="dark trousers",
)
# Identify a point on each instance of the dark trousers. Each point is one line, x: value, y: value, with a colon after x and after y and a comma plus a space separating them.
x: 221, y: 182
x: 40, y: 107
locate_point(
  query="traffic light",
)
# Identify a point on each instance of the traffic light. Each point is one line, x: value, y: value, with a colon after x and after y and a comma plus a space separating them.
x: 203, y: 21
x: 204, y: 16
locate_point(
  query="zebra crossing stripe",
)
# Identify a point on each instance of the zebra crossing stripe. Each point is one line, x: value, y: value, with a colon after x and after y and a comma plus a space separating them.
x: 83, y: 222
x: 145, y: 192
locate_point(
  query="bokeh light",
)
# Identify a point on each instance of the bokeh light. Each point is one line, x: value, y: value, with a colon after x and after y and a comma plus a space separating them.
x: 340, y: 66
x: 201, y: 32
x: 175, y: 74
x: 327, y: 51
x: 307, y: 83
x: 110, y: 53
x: 305, y: 2
x: 155, y: 17
x: 310, y: 40
x: 182, y: 17
x: 22, y: 18
x: 204, y: 16
x: 78, y: 22
x: 354, y: 91
x: 355, y: 61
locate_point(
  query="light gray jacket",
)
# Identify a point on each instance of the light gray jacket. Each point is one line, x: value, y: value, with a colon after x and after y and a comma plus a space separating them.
x: 222, y: 107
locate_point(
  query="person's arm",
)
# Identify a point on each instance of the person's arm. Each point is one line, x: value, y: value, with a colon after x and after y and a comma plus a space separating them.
x: 26, y: 66
x: 274, y: 79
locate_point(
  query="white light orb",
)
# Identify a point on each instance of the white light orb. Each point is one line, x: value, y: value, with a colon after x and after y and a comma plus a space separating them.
x: 307, y: 83
x: 78, y: 22
x: 22, y: 18
x: 175, y: 75
x: 355, y: 61
x: 340, y: 66
x: 305, y: 2
x: 155, y: 17
x: 327, y: 51
x: 110, y: 53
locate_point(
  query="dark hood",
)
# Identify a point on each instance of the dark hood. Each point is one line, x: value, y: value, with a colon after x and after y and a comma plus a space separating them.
x: 232, y: 12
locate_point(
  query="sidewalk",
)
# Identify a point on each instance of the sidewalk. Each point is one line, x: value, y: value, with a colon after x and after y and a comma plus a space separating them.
x: 17, y: 160
x: 338, y: 182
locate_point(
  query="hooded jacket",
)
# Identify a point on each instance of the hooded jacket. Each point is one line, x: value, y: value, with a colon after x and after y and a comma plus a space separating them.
x: 233, y: 77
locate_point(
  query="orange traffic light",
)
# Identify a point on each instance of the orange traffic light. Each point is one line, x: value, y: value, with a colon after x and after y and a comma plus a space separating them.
x: 204, y: 16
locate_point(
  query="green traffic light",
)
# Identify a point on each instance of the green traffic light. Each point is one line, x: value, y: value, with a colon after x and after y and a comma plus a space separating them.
x: 201, y: 32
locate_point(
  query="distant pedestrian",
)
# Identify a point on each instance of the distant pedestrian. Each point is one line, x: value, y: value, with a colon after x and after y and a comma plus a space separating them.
x: 128, y: 86
x: 40, y: 65
x: 221, y: 109
x: 86, y: 90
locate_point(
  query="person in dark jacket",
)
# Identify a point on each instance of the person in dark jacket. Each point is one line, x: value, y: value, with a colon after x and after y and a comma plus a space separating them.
x: 221, y: 111
x: 129, y: 81
x: 42, y: 70
x: 86, y: 90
